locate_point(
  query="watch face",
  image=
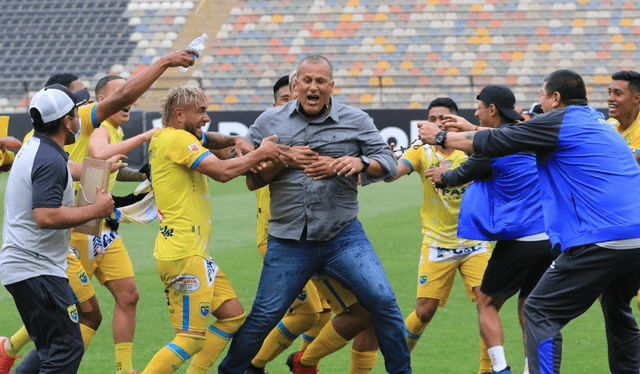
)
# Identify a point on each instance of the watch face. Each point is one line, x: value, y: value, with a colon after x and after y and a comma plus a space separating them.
x: 439, y: 138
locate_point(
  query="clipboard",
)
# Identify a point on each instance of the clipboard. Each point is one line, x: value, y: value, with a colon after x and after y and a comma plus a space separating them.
x: 95, y: 173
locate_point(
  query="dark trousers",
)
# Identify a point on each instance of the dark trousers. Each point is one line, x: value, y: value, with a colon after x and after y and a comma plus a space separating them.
x: 51, y: 318
x: 570, y: 286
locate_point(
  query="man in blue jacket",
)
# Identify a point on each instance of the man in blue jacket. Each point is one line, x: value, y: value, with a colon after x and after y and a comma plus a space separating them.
x: 503, y: 204
x: 585, y: 213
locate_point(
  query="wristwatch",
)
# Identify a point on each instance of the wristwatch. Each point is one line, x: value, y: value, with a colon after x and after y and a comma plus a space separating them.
x: 441, y: 137
x: 365, y: 162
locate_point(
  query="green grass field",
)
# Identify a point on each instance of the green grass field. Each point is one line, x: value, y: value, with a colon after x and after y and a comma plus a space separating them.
x: 390, y: 214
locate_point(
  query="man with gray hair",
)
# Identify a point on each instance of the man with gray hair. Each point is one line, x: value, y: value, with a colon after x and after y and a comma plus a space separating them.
x: 314, y: 226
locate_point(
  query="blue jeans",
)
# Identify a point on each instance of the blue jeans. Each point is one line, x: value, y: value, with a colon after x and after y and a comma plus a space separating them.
x: 289, y: 264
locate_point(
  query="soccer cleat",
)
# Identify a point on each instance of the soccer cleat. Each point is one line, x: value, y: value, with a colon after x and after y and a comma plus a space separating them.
x: 506, y: 370
x: 293, y: 362
x: 6, y: 361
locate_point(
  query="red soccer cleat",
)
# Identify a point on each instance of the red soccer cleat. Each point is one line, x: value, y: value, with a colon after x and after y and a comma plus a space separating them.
x: 293, y: 361
x: 6, y: 361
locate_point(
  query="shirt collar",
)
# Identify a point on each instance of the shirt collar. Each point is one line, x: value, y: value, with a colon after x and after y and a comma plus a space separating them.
x: 333, y: 111
x: 52, y: 143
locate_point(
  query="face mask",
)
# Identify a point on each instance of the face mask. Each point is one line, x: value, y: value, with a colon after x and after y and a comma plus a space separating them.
x: 76, y: 134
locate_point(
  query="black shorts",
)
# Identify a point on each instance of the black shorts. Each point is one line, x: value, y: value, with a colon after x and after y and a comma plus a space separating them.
x: 516, y: 266
x: 51, y: 318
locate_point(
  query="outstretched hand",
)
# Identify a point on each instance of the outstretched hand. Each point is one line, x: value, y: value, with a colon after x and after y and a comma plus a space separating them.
x: 115, y: 164
x: 435, y: 174
x: 272, y: 151
x: 10, y: 142
x: 452, y: 122
x: 427, y: 132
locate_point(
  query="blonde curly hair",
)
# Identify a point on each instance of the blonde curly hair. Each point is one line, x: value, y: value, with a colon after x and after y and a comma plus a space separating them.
x: 179, y: 97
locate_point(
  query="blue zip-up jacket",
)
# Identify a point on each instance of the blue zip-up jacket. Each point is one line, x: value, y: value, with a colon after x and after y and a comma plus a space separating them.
x: 504, y: 202
x: 590, y: 182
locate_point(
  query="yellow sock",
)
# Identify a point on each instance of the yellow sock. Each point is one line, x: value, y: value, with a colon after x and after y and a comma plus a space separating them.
x: 87, y: 335
x: 415, y: 327
x: 327, y: 342
x: 310, y: 335
x: 485, y: 361
x: 219, y: 333
x: 282, y: 336
x: 123, y: 358
x: 362, y: 362
x: 18, y: 341
x: 174, y: 354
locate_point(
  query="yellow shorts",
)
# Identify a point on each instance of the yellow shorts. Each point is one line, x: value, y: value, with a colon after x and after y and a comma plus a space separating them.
x: 195, y: 287
x: 308, y: 301
x: 78, y: 278
x: 438, y: 269
x: 107, y: 264
x: 337, y: 296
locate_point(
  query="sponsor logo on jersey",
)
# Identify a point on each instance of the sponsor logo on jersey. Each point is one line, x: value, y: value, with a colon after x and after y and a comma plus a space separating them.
x: 204, y: 309
x: 83, y: 277
x: 186, y: 283
x: 193, y: 147
x: 73, y: 313
x: 422, y: 279
x: 446, y: 252
x: 160, y: 215
x: 166, y: 231
x: 450, y: 192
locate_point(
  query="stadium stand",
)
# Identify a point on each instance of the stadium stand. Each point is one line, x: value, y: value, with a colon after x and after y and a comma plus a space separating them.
x: 397, y: 54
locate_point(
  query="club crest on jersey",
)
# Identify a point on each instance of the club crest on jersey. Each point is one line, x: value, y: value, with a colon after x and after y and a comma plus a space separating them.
x: 75, y: 252
x: 186, y: 283
x: 204, y: 309
x: 83, y: 277
x: 73, y: 313
x: 302, y: 296
x: 422, y: 280
x: 193, y: 147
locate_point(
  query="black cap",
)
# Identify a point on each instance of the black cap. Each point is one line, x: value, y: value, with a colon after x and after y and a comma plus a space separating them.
x: 503, y: 98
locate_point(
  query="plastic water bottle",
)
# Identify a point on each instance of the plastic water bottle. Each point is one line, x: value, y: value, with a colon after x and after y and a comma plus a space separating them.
x: 197, y: 45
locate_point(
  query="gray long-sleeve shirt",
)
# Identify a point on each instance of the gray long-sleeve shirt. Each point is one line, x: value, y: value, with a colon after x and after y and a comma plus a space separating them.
x: 324, y: 206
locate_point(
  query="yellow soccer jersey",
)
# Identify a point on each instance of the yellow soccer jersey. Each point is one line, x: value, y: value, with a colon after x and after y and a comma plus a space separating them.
x: 631, y: 134
x: 264, y: 213
x: 78, y: 150
x: 440, y: 207
x: 6, y: 158
x: 182, y: 195
x: 115, y: 136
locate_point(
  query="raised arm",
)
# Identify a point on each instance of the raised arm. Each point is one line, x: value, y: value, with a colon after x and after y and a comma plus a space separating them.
x: 101, y: 149
x: 225, y: 170
x: 129, y: 92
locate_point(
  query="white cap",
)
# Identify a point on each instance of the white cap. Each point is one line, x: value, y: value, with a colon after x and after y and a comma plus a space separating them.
x: 54, y: 102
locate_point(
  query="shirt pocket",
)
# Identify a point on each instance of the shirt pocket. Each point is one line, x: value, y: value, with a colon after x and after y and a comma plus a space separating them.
x: 337, y: 144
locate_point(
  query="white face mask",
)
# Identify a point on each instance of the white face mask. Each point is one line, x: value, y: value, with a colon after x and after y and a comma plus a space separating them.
x: 76, y: 134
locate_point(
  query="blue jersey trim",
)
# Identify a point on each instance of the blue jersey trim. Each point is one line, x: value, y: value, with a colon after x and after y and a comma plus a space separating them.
x: 408, y: 163
x: 308, y: 338
x: 413, y: 336
x: 94, y: 119
x: 197, y: 161
x: 335, y: 294
x: 185, y: 312
x: 221, y: 334
x: 184, y: 356
x: 284, y: 331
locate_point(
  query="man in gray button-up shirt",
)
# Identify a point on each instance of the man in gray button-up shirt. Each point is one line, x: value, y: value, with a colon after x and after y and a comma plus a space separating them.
x: 314, y: 226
